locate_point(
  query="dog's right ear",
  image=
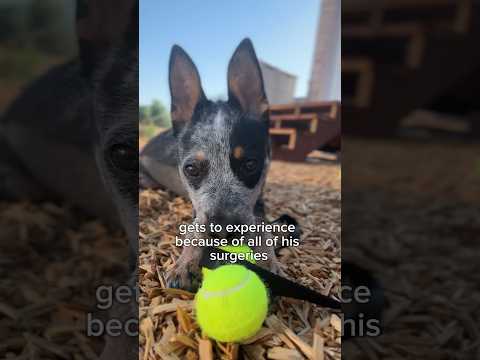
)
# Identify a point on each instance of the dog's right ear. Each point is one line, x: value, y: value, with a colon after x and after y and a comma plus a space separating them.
x: 185, y: 87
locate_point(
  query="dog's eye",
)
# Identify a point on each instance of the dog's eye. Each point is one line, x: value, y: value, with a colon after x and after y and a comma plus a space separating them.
x: 124, y: 157
x: 191, y: 170
x: 250, y: 165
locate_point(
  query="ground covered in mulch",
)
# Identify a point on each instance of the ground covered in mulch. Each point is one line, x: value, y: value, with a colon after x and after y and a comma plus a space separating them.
x: 411, y: 216
x: 51, y: 260
x: 293, y: 329
x: 414, y: 223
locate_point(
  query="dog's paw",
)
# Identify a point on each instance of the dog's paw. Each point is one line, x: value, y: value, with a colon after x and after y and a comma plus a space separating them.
x: 186, y: 273
x: 181, y: 277
x: 123, y: 345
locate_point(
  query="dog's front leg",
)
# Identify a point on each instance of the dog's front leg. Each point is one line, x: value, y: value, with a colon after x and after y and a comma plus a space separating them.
x: 121, y: 341
x: 186, y: 274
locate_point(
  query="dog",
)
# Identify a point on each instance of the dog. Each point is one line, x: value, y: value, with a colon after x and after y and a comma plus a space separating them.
x: 216, y: 153
x: 72, y: 135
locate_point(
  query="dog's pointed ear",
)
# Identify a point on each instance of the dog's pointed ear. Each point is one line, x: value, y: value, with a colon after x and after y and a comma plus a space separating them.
x: 185, y: 87
x: 102, y: 24
x: 245, y: 80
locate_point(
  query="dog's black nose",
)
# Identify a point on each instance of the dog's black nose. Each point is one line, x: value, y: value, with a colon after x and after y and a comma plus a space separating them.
x: 218, y: 225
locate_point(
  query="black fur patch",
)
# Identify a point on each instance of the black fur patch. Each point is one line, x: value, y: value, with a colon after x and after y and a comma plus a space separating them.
x: 252, y: 137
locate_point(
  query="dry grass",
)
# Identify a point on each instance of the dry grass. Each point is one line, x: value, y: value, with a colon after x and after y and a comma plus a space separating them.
x: 293, y: 330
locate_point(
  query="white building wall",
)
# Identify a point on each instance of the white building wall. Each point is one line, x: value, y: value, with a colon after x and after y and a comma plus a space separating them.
x: 279, y: 85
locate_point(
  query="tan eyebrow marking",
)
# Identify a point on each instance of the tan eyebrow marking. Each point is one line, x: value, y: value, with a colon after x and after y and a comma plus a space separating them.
x: 238, y: 152
x: 200, y: 156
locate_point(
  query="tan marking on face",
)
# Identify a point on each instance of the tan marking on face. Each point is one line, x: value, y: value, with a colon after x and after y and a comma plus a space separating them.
x: 200, y: 156
x: 238, y: 152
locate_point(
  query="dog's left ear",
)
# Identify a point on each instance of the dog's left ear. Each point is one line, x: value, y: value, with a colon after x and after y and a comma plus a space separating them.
x: 185, y: 87
x: 245, y: 80
x: 101, y: 25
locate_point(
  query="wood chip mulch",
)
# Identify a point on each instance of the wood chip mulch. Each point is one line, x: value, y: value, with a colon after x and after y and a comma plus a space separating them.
x: 293, y: 329
x: 419, y: 237
x: 51, y: 260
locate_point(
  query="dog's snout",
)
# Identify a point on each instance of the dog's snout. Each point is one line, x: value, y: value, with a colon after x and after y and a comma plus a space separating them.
x: 219, y: 222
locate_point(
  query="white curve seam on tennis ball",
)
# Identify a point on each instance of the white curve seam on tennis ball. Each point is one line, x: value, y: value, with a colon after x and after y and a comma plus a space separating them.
x: 242, y: 284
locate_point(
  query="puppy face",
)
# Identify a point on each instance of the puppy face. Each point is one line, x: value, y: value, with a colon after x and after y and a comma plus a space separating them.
x: 224, y: 148
x: 224, y: 157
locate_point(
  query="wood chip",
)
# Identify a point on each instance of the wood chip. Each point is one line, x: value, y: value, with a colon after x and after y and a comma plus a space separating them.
x: 279, y: 353
x: 185, y: 340
x: 184, y: 320
x: 318, y: 347
x: 336, y: 322
x: 205, y: 349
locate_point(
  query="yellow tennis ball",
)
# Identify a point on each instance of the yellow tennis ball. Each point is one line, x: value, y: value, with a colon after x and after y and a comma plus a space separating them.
x: 242, y: 249
x: 231, y: 304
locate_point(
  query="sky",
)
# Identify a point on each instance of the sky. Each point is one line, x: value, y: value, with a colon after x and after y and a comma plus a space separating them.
x: 282, y: 31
